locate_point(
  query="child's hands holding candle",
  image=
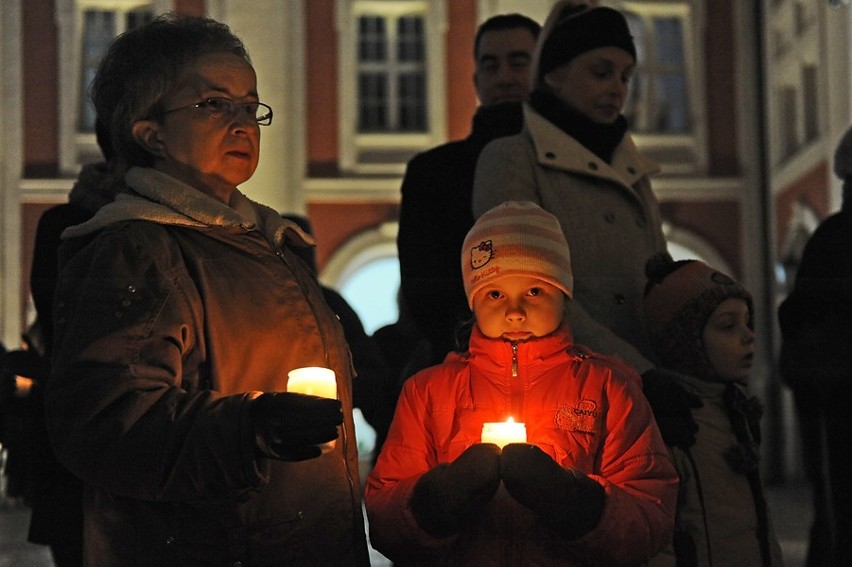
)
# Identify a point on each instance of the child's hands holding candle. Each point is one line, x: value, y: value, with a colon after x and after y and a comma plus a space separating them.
x: 564, y: 498
x: 448, y: 495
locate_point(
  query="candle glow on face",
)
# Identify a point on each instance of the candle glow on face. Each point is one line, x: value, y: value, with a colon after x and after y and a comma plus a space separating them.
x: 503, y: 433
x: 314, y: 381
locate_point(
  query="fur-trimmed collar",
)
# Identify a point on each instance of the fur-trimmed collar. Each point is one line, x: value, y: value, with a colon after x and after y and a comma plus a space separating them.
x: 159, y: 198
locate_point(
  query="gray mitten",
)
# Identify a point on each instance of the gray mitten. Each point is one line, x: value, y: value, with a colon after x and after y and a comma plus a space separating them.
x: 567, y: 500
x: 448, y: 495
x: 290, y: 427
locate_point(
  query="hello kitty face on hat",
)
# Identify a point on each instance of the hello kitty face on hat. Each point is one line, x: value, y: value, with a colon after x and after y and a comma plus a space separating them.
x: 481, y: 254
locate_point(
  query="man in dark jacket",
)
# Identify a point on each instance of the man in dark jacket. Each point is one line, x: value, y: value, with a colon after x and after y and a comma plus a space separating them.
x: 436, y: 191
x: 816, y: 362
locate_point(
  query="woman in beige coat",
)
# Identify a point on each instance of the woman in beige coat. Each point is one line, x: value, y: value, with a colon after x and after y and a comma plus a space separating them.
x: 575, y: 158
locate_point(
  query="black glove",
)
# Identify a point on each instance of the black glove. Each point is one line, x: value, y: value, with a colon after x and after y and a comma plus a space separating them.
x: 567, y: 500
x: 21, y: 362
x: 672, y: 406
x: 8, y: 386
x: 451, y: 493
x: 291, y: 427
x: 27, y: 363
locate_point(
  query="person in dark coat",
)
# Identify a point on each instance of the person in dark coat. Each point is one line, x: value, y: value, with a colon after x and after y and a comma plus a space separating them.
x: 816, y: 362
x: 180, y: 313
x: 435, y: 212
x: 54, y: 494
x: 57, y: 500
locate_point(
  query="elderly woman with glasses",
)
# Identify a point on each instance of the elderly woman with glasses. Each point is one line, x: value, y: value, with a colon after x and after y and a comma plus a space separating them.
x: 180, y: 311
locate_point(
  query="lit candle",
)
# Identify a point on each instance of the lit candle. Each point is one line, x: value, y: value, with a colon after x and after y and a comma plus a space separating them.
x: 503, y: 433
x: 313, y: 380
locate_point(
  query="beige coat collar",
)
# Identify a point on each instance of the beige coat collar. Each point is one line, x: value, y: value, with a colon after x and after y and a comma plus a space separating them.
x: 556, y: 149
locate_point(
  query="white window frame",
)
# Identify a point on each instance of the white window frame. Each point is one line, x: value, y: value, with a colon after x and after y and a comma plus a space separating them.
x: 795, y: 37
x: 693, y: 143
x: 75, y: 147
x: 397, y: 146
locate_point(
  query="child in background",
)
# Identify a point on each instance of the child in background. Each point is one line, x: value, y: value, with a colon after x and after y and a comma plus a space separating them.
x: 593, y: 483
x: 702, y: 326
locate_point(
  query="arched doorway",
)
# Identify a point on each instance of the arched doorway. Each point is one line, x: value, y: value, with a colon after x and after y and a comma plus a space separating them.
x: 365, y: 271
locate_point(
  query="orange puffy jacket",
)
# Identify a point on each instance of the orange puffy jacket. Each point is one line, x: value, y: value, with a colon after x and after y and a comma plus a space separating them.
x: 584, y: 409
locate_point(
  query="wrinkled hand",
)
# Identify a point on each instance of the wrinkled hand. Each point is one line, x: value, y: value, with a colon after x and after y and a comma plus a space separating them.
x: 448, y: 495
x: 290, y: 427
x: 672, y: 406
x: 565, y: 499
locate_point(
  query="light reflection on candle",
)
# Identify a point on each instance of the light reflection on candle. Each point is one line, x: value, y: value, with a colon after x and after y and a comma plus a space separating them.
x: 313, y: 380
x: 503, y: 433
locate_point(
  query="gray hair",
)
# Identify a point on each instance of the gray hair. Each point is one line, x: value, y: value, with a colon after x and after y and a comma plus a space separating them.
x: 142, y: 66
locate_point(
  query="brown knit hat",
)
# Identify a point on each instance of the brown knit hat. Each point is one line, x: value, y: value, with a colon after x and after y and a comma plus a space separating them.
x: 573, y: 28
x: 679, y: 298
x: 516, y: 238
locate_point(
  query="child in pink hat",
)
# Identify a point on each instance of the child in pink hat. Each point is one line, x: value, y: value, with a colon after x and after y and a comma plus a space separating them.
x: 588, y: 479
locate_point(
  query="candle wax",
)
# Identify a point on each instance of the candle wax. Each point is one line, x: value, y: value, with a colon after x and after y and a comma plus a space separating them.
x: 503, y: 433
x: 313, y: 380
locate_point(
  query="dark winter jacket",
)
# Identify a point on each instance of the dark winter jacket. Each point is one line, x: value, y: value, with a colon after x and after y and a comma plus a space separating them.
x: 173, y: 312
x: 434, y: 218
x: 816, y: 318
x: 584, y: 410
x: 57, y: 499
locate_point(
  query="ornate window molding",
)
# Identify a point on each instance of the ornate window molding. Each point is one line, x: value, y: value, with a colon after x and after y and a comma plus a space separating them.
x: 391, y: 82
x: 85, y: 28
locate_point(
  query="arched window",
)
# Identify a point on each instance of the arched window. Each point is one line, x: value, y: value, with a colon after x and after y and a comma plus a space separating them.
x: 686, y: 245
x: 365, y: 271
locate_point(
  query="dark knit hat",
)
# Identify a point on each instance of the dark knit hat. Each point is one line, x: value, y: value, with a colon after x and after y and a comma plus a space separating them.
x: 572, y: 29
x: 516, y: 238
x: 843, y: 167
x: 843, y: 156
x: 679, y: 298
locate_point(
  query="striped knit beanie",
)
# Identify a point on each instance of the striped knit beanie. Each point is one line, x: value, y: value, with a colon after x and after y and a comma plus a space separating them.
x: 679, y: 299
x: 516, y: 238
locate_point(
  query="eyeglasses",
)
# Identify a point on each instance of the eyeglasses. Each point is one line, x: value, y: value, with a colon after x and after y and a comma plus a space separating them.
x: 217, y: 107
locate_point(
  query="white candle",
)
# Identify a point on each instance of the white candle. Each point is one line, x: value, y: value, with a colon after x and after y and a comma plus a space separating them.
x: 313, y: 380
x: 503, y: 433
